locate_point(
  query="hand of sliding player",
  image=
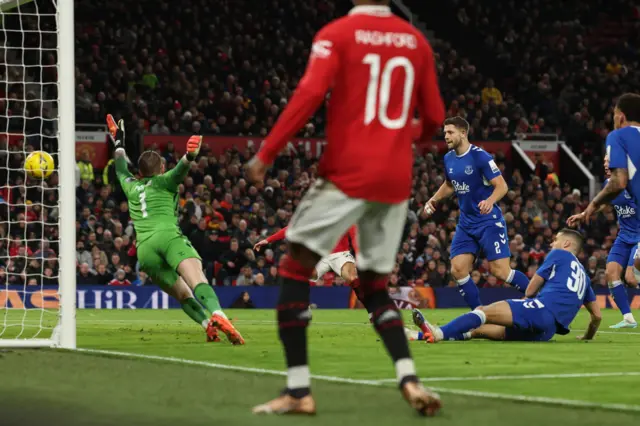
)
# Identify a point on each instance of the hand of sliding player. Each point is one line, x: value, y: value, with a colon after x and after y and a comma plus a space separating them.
x: 193, y: 147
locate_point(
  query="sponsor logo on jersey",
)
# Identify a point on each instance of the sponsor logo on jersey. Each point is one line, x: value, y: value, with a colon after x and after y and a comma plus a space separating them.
x: 389, y: 39
x: 627, y: 195
x: 460, y: 187
x: 468, y: 170
x: 321, y: 49
x: 625, y: 211
x: 494, y: 167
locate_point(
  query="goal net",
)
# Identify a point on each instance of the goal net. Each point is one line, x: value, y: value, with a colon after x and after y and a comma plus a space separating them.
x: 37, y: 215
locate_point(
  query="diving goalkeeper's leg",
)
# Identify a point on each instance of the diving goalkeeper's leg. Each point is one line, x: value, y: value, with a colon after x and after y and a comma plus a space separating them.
x: 190, y: 270
x: 183, y: 294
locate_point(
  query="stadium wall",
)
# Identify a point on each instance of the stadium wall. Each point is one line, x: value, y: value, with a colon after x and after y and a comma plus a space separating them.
x: 106, y: 297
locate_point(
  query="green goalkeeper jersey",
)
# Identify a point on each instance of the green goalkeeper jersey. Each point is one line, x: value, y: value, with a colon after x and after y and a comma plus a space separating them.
x: 153, y: 201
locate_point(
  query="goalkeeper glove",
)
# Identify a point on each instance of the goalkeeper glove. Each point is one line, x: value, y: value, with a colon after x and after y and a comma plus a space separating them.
x: 193, y: 147
x: 116, y: 131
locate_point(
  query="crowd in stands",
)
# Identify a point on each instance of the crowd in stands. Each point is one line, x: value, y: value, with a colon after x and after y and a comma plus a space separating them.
x: 219, y: 67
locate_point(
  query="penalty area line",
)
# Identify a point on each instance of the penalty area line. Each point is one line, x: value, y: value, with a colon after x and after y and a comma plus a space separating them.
x: 384, y: 382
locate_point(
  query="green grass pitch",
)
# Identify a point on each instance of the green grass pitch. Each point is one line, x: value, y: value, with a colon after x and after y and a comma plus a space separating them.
x: 596, y: 381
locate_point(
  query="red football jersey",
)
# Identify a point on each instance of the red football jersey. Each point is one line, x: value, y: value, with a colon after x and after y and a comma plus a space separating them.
x: 343, y: 244
x: 379, y: 69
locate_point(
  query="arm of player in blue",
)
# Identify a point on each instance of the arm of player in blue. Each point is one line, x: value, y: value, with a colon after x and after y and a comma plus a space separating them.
x: 616, y: 151
x: 488, y: 167
x: 546, y: 269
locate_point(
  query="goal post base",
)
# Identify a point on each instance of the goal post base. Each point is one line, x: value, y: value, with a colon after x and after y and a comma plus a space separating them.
x: 28, y: 343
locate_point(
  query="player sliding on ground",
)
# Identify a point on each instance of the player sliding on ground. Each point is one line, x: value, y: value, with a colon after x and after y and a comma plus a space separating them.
x: 379, y: 68
x: 623, y: 251
x: 340, y: 261
x: 538, y: 317
x: 474, y: 177
x: 163, y: 252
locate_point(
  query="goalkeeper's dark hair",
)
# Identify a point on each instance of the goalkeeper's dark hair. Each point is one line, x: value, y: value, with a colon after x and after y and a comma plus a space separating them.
x: 576, y: 236
x: 629, y: 105
x: 150, y: 164
x: 459, y: 122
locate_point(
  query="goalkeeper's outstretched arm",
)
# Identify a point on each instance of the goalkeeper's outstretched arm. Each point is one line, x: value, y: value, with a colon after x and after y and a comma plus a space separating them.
x: 175, y: 176
x: 116, y: 133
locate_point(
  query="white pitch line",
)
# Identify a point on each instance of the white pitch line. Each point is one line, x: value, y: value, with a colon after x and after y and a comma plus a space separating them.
x: 523, y: 377
x: 242, y: 321
x: 334, y: 379
x: 540, y: 399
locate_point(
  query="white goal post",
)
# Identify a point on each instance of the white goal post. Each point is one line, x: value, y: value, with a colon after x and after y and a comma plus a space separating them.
x: 32, y: 315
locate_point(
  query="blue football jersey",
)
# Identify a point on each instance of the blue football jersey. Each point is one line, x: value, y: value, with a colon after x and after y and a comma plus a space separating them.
x: 623, y: 148
x: 567, y: 287
x: 628, y: 220
x: 470, y: 174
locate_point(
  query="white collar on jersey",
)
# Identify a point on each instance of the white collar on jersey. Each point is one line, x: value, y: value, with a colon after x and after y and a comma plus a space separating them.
x: 371, y: 10
x: 466, y: 152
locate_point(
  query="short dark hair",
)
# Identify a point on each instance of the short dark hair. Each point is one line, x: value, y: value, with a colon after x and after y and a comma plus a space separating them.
x: 459, y: 122
x: 150, y: 164
x: 629, y: 105
x: 577, y: 237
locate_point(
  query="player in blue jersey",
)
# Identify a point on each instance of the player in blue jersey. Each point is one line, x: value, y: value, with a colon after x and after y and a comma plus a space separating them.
x: 475, y: 178
x: 546, y: 310
x: 622, y: 252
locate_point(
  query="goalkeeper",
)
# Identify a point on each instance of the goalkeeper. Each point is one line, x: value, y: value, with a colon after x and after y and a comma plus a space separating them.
x: 163, y: 252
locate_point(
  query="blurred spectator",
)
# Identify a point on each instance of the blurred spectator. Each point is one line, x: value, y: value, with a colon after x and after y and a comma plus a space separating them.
x: 243, y: 302
x: 120, y: 279
x: 86, y: 168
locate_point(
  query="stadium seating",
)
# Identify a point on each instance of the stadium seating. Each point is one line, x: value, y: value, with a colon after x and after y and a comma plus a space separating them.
x: 217, y: 67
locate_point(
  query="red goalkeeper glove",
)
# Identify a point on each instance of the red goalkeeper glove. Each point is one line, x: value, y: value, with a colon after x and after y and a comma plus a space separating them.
x: 193, y: 147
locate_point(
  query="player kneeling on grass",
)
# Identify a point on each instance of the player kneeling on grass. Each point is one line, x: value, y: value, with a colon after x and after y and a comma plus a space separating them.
x: 163, y: 252
x: 538, y: 317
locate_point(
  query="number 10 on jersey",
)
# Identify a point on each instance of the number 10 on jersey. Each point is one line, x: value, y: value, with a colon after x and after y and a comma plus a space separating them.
x: 379, y: 90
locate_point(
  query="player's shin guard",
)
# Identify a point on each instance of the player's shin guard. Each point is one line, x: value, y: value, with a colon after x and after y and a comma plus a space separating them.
x: 194, y: 310
x: 518, y: 280
x: 469, y: 292
x: 619, y: 294
x: 293, y: 319
x: 205, y: 294
x: 387, y: 321
x: 457, y: 328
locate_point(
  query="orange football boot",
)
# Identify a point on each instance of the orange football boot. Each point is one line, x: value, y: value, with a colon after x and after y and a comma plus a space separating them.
x: 218, y: 322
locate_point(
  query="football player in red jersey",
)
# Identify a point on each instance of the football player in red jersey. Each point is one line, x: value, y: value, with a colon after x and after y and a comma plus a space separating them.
x: 340, y: 261
x: 380, y: 69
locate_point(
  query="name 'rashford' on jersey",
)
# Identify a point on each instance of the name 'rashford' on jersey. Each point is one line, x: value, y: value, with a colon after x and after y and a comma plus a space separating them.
x: 470, y: 174
x: 626, y: 210
x: 567, y: 287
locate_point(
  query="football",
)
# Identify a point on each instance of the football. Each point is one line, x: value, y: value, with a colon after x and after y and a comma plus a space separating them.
x: 39, y: 164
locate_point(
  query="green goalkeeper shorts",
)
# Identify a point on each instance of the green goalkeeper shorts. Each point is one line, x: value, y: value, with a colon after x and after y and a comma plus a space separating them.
x: 160, y: 255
